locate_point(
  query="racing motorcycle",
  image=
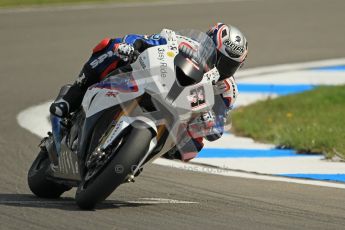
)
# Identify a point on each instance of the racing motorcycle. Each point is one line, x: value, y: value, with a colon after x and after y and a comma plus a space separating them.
x: 135, y: 115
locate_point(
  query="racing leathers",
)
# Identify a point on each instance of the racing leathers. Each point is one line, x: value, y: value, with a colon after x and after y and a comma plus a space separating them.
x: 108, y: 55
x: 210, y: 125
x: 115, y: 54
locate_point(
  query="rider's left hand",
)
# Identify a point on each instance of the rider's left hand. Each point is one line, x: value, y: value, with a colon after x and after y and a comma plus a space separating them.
x: 125, y: 51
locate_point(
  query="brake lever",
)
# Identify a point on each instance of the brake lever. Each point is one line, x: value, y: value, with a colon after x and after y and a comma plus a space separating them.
x: 134, y: 56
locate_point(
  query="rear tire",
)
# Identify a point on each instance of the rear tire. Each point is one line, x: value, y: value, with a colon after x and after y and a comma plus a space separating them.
x: 37, y: 178
x: 115, y: 172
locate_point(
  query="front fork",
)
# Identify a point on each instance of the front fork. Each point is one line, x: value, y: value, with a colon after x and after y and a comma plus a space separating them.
x: 121, y: 122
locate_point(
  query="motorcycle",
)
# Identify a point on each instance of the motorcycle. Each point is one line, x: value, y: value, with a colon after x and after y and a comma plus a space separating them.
x: 132, y: 117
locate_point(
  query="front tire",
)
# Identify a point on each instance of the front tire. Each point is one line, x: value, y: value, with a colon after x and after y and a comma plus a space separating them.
x: 115, y: 172
x: 37, y: 178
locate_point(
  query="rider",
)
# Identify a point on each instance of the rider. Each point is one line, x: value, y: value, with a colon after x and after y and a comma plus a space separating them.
x: 110, y: 54
x: 232, y: 50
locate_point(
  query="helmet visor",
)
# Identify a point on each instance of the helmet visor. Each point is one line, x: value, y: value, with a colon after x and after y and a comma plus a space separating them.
x: 226, y: 66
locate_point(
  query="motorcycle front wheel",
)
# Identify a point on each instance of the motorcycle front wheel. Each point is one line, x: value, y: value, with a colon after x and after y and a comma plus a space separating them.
x: 131, y: 151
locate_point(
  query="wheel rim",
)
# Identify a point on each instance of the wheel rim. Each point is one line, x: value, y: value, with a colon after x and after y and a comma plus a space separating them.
x: 92, y: 174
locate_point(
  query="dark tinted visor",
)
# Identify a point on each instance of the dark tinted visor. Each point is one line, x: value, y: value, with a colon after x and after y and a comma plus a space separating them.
x: 187, y: 71
x: 226, y: 66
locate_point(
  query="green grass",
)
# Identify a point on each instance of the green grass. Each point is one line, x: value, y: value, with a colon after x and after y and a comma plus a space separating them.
x: 15, y: 3
x: 313, y: 121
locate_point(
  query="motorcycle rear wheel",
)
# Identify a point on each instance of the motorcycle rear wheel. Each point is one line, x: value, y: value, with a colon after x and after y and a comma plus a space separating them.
x: 37, y: 178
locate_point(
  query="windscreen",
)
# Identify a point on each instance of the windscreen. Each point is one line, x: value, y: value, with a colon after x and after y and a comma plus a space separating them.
x: 205, y: 52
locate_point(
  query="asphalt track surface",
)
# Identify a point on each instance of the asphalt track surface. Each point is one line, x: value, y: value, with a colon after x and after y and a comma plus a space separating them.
x: 43, y: 49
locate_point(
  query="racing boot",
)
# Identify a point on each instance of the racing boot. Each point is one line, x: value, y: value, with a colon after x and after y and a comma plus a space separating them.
x: 68, y: 101
x: 187, y: 151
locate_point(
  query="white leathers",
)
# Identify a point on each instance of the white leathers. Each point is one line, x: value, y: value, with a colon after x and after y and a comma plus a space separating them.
x: 228, y: 89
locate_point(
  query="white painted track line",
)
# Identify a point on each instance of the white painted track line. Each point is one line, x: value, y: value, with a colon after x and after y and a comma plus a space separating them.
x: 224, y: 172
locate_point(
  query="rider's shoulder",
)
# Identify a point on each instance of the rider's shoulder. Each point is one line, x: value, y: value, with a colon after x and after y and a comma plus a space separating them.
x: 106, y: 44
x: 101, y: 45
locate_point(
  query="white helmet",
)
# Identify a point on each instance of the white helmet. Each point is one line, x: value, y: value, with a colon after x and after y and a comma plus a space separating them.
x: 232, y: 48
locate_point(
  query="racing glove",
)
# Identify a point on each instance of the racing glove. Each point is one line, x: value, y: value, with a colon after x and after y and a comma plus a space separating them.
x: 141, y: 45
x: 227, y: 93
x: 228, y: 90
x: 202, y: 125
x: 124, y: 51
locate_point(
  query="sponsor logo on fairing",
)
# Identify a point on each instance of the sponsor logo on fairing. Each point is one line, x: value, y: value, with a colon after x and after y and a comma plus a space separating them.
x: 163, y: 65
x: 197, y: 97
x: 172, y: 41
x: 212, y: 75
x: 161, y: 55
x: 187, y: 39
x: 142, y: 63
x: 170, y: 54
x: 164, y: 69
x: 111, y: 94
x: 125, y: 85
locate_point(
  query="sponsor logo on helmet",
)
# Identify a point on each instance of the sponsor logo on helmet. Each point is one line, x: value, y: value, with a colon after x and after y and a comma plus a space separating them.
x: 238, y: 39
x: 233, y: 47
